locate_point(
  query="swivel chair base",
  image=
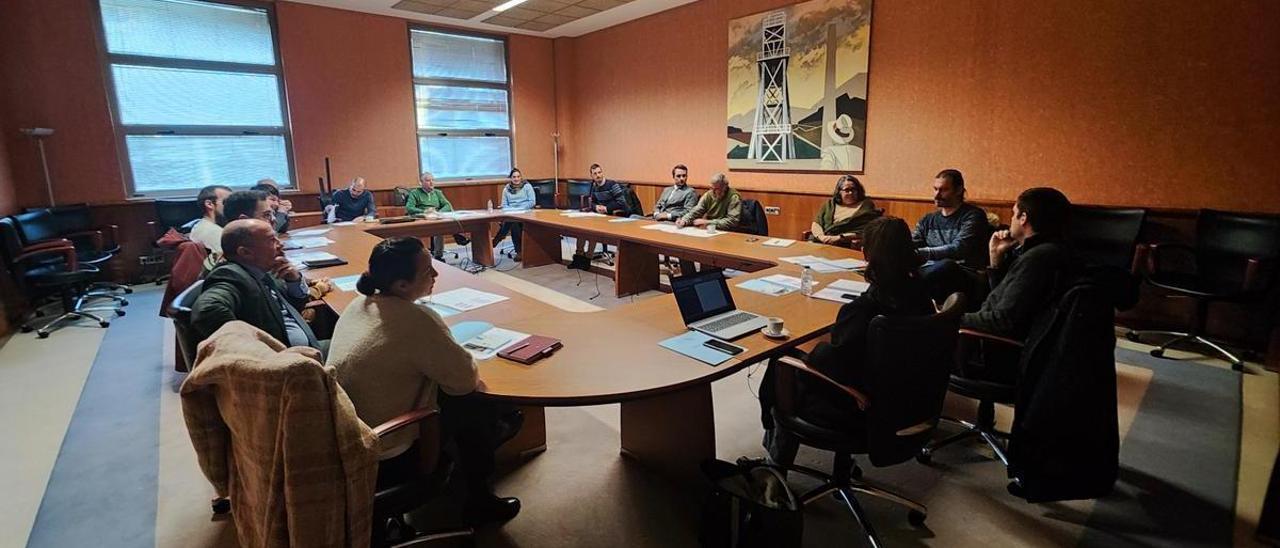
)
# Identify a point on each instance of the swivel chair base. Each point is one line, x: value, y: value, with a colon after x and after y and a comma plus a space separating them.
x: 984, y: 428
x: 844, y: 486
x: 1179, y: 337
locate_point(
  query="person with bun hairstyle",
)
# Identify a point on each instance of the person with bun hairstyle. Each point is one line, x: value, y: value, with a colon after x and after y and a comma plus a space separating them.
x: 393, y: 355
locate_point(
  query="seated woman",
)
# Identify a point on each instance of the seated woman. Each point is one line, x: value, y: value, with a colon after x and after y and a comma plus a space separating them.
x: 895, y: 290
x: 515, y: 195
x: 842, y: 218
x: 392, y: 356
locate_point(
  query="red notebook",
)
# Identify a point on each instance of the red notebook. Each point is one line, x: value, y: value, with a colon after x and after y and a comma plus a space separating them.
x: 531, y: 349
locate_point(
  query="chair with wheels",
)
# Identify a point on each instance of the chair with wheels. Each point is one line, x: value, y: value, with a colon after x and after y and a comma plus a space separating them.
x: 184, y: 334
x: 1235, y: 259
x: 987, y: 392
x: 544, y: 191
x: 907, y: 363
x: 49, y: 269
x: 1107, y: 236
x: 179, y: 215
x: 94, y: 246
x: 397, y: 496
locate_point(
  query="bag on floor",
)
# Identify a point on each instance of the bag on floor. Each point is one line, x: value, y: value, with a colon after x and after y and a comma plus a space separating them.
x: 750, y: 506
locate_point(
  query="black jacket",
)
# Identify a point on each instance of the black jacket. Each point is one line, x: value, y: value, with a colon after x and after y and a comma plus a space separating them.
x: 231, y: 292
x: 1020, y: 288
x: 1065, y: 441
x: 609, y: 194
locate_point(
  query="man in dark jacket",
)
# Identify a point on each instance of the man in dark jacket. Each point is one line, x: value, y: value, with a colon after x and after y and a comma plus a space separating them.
x: 255, y: 284
x: 1025, y: 261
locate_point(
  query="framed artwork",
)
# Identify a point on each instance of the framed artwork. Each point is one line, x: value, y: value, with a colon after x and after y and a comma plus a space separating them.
x: 798, y: 87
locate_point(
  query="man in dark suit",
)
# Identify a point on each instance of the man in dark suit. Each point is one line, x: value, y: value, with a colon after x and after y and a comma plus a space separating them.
x: 255, y: 284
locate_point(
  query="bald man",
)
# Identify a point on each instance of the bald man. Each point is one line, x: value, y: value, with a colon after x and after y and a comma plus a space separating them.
x: 354, y: 201
x: 254, y: 284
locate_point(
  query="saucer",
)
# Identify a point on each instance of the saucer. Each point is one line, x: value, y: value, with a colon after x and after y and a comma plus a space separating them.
x: 784, y: 334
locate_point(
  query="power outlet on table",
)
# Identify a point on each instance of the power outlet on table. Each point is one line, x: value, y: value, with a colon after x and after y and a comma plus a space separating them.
x: 772, y: 210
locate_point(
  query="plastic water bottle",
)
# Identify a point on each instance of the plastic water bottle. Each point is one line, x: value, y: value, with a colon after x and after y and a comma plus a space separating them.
x: 806, y: 282
x: 330, y: 213
x: 490, y: 206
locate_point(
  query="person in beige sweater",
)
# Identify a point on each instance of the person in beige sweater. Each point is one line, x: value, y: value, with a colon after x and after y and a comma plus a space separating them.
x: 393, y: 355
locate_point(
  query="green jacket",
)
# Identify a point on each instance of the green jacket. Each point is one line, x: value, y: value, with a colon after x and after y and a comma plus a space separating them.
x: 419, y: 200
x: 866, y: 213
x: 724, y: 213
x: 230, y: 292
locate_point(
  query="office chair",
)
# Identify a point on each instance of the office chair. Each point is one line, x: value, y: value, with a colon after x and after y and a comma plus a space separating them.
x: 94, y: 246
x: 180, y: 215
x: 577, y: 189
x: 907, y: 363
x: 1106, y: 236
x: 185, y: 337
x: 987, y: 392
x: 400, y: 496
x: 1235, y: 260
x: 544, y: 191
x: 753, y: 219
x: 45, y: 270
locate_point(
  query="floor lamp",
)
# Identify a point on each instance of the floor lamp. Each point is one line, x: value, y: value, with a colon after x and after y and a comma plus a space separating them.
x: 39, y: 133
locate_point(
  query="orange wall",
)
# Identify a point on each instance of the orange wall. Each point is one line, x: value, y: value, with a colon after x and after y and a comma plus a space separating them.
x: 8, y: 197
x: 1165, y: 104
x: 347, y: 77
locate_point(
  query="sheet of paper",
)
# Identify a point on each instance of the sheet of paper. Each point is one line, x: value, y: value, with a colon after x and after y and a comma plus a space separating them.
x: 346, y: 283
x: 824, y: 268
x: 308, y: 232
x: 836, y: 295
x: 690, y: 344
x: 466, y: 299
x: 442, y: 310
x: 849, y: 286
x: 297, y: 257
x: 696, y: 232
x: 801, y: 259
x: 576, y: 214
x: 657, y: 226
x: 777, y: 242
x: 482, y: 339
x: 623, y: 220
x: 846, y: 264
x: 345, y: 223
x: 514, y: 211
x: 783, y: 279
x: 306, y: 243
x: 458, y: 213
x: 760, y: 285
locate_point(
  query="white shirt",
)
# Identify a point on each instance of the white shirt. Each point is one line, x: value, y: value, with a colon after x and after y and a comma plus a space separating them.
x: 208, y: 233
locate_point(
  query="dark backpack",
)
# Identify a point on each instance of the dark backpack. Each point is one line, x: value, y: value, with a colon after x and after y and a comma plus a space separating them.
x: 750, y: 506
x: 753, y: 219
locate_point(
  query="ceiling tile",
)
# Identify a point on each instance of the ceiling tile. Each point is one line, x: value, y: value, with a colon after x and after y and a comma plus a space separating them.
x: 601, y: 4
x: 576, y: 11
x: 458, y: 13
x: 522, y: 13
x: 504, y: 21
x: 554, y: 19
x: 536, y: 26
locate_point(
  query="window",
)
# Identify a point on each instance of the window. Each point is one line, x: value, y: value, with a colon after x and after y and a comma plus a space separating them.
x: 462, y: 97
x: 198, y: 93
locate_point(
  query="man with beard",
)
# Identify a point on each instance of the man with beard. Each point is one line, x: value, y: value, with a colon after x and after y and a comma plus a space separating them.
x: 950, y: 240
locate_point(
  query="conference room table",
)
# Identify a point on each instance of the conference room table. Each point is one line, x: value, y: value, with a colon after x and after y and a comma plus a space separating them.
x: 612, y: 356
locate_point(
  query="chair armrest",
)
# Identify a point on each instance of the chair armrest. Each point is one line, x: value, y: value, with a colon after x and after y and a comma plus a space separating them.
x: 804, y: 236
x: 67, y: 251
x: 1159, y: 253
x: 795, y: 363
x: 990, y: 337
x: 1252, y: 271
x: 407, y: 419
x: 93, y: 235
x: 47, y: 244
x: 1141, y: 258
x: 584, y: 202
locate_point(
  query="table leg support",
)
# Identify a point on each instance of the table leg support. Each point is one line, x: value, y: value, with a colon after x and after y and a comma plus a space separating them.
x: 530, y: 441
x: 672, y: 432
x: 481, y: 244
x: 541, y: 246
x: 636, y: 269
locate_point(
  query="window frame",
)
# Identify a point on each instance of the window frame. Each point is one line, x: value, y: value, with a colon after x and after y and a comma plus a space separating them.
x: 419, y: 132
x: 123, y: 131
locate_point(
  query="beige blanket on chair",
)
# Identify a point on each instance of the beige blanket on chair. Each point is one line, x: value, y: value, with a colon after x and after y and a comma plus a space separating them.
x: 274, y: 432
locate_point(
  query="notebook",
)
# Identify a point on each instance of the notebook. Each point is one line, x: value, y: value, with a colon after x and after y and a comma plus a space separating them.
x: 531, y: 349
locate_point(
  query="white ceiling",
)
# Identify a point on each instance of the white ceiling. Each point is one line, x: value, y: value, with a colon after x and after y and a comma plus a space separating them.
x: 605, y: 19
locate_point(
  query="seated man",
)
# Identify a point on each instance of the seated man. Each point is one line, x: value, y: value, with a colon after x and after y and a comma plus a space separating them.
x: 1026, y: 263
x: 721, y: 208
x: 605, y: 197
x: 353, y: 202
x: 951, y: 238
x: 254, y: 284
x: 428, y: 197
x: 280, y: 209
x: 208, y: 230
x: 675, y: 201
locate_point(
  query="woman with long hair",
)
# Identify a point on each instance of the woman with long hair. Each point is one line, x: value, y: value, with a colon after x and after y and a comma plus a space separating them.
x: 516, y: 194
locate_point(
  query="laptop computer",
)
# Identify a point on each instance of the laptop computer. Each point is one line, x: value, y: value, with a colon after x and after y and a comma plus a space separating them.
x: 707, y: 306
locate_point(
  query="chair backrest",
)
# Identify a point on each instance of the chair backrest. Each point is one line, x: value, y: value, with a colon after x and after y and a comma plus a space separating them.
x: 400, y: 196
x: 909, y: 361
x: 544, y: 191
x: 180, y: 312
x: 1106, y: 236
x: 577, y: 189
x: 71, y: 218
x: 753, y: 219
x: 36, y: 226
x: 10, y: 242
x: 1224, y: 241
x: 633, y: 201
x: 176, y: 214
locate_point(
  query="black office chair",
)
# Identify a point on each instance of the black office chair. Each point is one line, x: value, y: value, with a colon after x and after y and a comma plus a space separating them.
x: 37, y: 277
x: 1235, y: 260
x: 577, y: 189
x: 180, y: 215
x: 186, y: 338
x: 544, y: 191
x: 753, y: 219
x: 395, y: 498
x: 1106, y: 236
x: 94, y: 245
x: 400, y: 196
x: 907, y: 363
x: 987, y: 392
x: 39, y: 225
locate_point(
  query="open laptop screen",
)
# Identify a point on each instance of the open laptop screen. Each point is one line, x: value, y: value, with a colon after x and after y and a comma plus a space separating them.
x: 702, y: 295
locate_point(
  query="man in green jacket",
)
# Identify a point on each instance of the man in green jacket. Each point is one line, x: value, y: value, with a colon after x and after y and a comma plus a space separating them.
x: 720, y: 208
x: 428, y: 197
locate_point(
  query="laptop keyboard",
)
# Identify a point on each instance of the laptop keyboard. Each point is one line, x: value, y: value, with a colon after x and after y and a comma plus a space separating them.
x: 728, y: 321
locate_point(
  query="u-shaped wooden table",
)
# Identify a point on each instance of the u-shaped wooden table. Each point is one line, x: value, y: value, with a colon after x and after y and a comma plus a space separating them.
x: 612, y: 356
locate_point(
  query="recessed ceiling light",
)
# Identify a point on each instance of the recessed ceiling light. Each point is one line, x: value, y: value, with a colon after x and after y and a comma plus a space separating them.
x: 508, y: 5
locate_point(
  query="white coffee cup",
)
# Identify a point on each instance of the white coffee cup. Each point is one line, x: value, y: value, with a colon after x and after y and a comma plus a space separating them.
x: 711, y: 229
x: 775, y: 325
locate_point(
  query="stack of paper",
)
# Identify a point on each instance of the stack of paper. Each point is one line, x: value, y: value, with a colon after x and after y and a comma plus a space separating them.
x: 304, y: 243
x: 842, y: 291
x: 825, y: 266
x: 577, y: 214
x: 483, y: 340
x: 346, y: 283
x: 622, y: 220
x: 691, y: 344
x: 465, y: 299
x: 308, y: 232
x: 296, y: 259
x: 777, y: 242
x: 777, y: 284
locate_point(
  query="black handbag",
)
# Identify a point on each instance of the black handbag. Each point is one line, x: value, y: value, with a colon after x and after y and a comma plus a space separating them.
x: 750, y: 506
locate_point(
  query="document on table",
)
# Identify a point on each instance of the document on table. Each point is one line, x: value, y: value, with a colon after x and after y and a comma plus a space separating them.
x: 847, y: 264
x: 623, y: 220
x: 514, y: 211
x: 837, y: 290
x: 777, y: 242
x: 297, y: 258
x: 850, y: 286
x: 465, y: 299
x: 306, y: 243
x: 658, y: 226
x: 776, y: 285
x: 442, y: 310
x: 308, y: 232
x: 458, y: 213
x: 825, y: 266
x: 690, y: 344
x: 344, y: 223
x: 346, y: 283
x: 576, y: 214
x: 483, y: 340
